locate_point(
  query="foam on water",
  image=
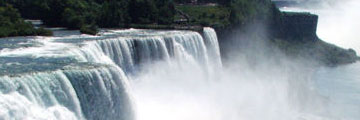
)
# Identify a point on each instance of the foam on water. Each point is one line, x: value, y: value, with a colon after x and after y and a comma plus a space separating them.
x: 86, y: 77
x: 151, y: 75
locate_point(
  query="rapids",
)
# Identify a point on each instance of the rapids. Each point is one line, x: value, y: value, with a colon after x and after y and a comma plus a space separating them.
x: 87, y: 77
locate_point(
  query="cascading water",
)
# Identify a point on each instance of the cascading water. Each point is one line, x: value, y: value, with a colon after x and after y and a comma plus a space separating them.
x: 87, y: 77
x: 152, y: 75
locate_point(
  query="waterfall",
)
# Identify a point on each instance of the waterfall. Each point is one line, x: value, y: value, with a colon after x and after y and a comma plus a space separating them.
x: 39, y: 96
x: 87, y: 77
x: 214, y: 50
x: 131, y: 53
x: 102, y: 93
x: 98, y: 93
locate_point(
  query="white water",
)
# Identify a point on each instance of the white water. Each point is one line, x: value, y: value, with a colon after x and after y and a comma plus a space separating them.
x: 260, y: 89
x: 270, y: 87
x: 85, y: 77
x: 162, y: 75
x: 150, y: 75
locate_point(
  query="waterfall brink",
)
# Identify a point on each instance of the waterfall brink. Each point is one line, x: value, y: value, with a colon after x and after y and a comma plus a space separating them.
x: 212, y: 44
x: 134, y: 52
x: 102, y: 93
x: 87, y: 77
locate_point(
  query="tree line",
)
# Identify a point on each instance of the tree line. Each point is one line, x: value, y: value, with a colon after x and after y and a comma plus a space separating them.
x: 88, y: 15
x: 75, y: 14
x: 223, y: 2
x: 11, y: 23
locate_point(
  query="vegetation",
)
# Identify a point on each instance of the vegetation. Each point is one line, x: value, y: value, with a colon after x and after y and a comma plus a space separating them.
x: 228, y: 13
x: 227, y: 17
x: 76, y: 14
x: 223, y: 2
x: 89, y: 29
x: 11, y: 24
x: 217, y: 16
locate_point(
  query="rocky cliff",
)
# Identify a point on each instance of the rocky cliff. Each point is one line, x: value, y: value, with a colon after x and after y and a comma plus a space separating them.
x: 299, y: 25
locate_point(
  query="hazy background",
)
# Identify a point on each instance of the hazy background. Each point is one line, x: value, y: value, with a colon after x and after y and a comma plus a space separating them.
x: 338, y: 20
x: 257, y: 81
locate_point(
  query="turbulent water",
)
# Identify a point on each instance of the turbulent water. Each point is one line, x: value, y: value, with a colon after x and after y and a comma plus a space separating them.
x: 136, y: 74
x: 87, y: 77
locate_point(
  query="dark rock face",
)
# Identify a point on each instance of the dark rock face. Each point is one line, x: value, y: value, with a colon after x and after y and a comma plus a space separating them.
x: 294, y: 34
x: 299, y: 25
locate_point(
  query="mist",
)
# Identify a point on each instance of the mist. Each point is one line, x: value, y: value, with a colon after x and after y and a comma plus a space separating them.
x: 257, y: 82
x: 338, y: 24
x: 151, y: 74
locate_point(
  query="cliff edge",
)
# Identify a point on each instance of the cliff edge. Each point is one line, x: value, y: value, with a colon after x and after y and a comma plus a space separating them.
x: 294, y: 33
x: 297, y: 38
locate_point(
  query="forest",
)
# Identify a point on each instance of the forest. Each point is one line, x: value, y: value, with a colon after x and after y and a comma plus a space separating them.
x: 11, y: 24
x: 89, y: 15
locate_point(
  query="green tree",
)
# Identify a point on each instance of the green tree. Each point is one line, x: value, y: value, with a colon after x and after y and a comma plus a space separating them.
x: 71, y: 19
x: 166, y: 11
x: 11, y: 24
x: 143, y: 11
x: 114, y: 14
